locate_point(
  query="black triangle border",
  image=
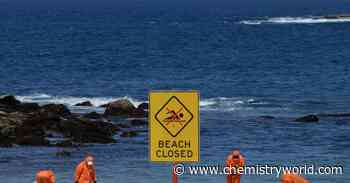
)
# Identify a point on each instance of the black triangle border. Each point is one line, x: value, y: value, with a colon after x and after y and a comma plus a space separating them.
x: 173, y: 97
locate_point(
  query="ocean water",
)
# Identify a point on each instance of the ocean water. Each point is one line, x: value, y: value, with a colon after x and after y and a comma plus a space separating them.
x: 246, y: 59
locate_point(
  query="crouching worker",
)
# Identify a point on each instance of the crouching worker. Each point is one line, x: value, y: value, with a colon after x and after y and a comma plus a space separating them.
x: 288, y: 177
x: 235, y: 161
x: 45, y: 176
x: 85, y: 171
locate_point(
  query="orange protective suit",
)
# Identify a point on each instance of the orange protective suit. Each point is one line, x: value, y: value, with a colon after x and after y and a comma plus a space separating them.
x: 235, y: 178
x: 45, y: 176
x: 293, y: 178
x: 85, y: 173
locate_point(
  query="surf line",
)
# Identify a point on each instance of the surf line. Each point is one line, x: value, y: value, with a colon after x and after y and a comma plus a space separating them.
x: 174, y: 149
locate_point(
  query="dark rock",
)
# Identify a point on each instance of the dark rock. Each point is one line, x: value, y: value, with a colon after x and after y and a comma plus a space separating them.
x: 22, y: 129
x: 21, y: 107
x: 93, y: 115
x: 138, y: 113
x: 8, y: 131
x: 5, y: 141
x: 28, y: 129
x: 9, y: 100
x: 8, y: 127
x: 85, y: 103
x: 33, y: 128
x: 28, y: 107
x: 85, y: 131
x: 58, y: 109
x: 44, y: 117
x: 308, y: 118
x: 138, y: 122
x: 120, y: 108
x: 143, y: 106
x: 32, y: 141
x: 103, y: 105
x: 129, y: 134
x: 11, y: 104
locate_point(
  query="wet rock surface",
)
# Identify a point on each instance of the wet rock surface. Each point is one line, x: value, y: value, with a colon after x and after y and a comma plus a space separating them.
x: 143, y: 106
x: 11, y: 104
x: 123, y: 107
x: 129, y: 134
x: 138, y: 122
x: 33, y: 125
x: 9, y: 101
x: 93, y: 115
x: 85, y: 103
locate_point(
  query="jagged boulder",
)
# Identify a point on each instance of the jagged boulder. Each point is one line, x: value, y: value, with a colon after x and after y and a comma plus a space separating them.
x: 57, y: 109
x: 139, y: 113
x: 143, y: 106
x: 9, y: 100
x: 33, y: 129
x: 11, y: 104
x: 104, y: 105
x: 27, y: 107
x: 7, y: 131
x: 8, y: 125
x: 121, y: 107
x: 93, y: 115
x: 85, y: 103
x: 86, y: 131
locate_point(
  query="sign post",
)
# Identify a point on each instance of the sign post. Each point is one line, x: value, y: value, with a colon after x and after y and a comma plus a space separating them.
x: 173, y: 172
x: 174, y: 127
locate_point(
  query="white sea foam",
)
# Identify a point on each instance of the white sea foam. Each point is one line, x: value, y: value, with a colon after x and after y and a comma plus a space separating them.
x: 251, y: 22
x: 206, y: 104
x: 294, y: 20
x: 225, y: 103
x: 70, y: 101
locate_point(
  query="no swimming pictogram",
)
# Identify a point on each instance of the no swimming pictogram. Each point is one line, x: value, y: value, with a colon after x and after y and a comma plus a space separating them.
x: 174, y: 116
x: 174, y: 126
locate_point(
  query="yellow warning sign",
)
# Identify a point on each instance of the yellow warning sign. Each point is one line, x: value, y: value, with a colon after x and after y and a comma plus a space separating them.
x: 174, y: 126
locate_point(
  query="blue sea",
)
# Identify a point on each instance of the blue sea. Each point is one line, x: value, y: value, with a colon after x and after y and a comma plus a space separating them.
x: 247, y: 59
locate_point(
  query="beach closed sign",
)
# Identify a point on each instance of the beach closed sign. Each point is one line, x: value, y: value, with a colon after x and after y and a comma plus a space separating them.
x: 174, y: 126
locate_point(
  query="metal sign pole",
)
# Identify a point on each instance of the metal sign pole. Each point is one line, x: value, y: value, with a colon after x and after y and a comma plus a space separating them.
x: 175, y: 178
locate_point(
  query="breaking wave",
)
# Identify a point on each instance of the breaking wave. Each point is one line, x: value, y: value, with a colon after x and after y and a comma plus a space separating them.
x: 208, y: 104
x: 234, y: 104
x: 71, y: 101
x: 294, y: 20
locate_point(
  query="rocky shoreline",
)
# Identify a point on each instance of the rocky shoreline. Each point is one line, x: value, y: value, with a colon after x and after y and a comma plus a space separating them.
x: 32, y: 124
x: 35, y: 125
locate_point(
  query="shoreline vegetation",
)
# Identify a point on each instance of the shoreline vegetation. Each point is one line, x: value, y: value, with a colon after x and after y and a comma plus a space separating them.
x: 54, y: 125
